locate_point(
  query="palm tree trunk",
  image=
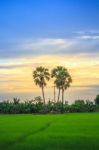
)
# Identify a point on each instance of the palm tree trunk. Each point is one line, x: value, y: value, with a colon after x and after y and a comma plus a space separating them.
x: 54, y: 95
x: 58, y: 95
x: 62, y: 100
x: 43, y: 94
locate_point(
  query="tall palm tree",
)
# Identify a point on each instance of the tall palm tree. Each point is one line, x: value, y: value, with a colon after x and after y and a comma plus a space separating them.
x: 56, y: 74
x: 62, y: 80
x: 40, y: 76
x: 67, y: 80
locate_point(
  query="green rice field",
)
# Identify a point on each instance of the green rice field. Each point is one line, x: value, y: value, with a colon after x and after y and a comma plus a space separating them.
x: 71, y: 131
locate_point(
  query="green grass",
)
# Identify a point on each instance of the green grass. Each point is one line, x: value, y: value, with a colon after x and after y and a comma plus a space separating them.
x: 50, y: 132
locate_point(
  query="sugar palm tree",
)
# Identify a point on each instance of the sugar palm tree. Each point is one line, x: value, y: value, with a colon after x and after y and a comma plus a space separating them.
x: 56, y: 74
x: 40, y: 76
x: 62, y: 80
x: 65, y: 84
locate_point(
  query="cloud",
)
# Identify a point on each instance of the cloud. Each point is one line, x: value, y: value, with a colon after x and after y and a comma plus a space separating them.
x: 86, y: 86
x: 81, y: 43
x: 11, y: 66
x: 88, y: 37
x: 87, y: 32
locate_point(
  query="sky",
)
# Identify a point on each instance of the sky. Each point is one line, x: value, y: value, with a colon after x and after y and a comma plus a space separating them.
x: 49, y: 33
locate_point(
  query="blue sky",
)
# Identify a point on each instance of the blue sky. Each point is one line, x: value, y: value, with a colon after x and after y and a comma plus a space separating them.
x: 49, y: 33
x: 47, y: 18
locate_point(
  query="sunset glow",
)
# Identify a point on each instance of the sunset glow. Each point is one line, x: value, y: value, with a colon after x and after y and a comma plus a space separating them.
x: 24, y: 46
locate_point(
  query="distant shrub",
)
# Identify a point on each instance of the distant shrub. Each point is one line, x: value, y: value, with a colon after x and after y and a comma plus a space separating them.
x: 97, y: 100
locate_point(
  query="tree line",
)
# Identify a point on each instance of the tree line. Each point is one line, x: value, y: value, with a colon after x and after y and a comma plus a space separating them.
x: 36, y: 106
x: 62, y: 81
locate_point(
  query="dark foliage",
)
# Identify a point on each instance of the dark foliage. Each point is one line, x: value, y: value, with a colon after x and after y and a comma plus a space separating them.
x: 97, y: 100
x: 36, y: 106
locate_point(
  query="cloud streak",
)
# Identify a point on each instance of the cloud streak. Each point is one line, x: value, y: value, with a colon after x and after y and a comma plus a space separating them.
x: 83, y: 43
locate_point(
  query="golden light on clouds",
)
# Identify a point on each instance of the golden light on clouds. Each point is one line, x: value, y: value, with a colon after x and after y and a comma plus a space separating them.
x: 35, y: 33
x: 16, y: 77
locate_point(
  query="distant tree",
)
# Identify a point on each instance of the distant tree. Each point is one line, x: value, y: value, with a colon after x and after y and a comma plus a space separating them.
x: 40, y: 75
x: 97, y: 100
x: 79, y: 102
x: 16, y: 100
x: 90, y: 106
x: 38, y: 99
